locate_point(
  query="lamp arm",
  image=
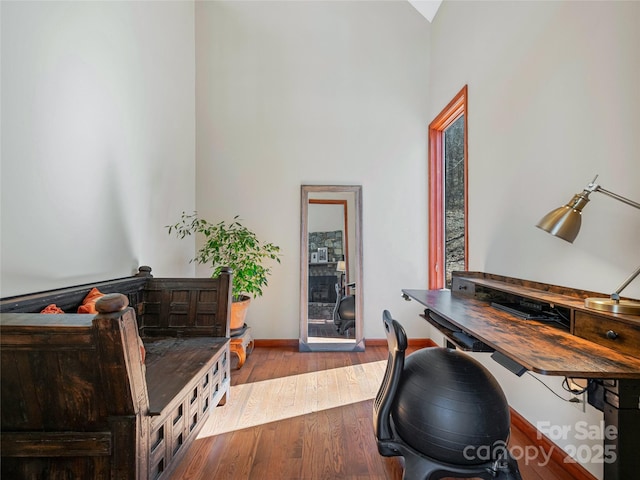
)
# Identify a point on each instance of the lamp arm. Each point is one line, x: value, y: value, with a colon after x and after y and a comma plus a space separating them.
x: 598, y: 188
x: 616, y: 294
x: 594, y: 187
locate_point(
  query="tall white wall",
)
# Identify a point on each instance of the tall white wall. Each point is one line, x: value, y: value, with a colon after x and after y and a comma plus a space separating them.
x: 326, y: 218
x: 98, y: 133
x: 553, y: 100
x: 293, y: 93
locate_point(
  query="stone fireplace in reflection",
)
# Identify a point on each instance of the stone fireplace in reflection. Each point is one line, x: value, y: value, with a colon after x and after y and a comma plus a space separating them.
x: 322, y: 290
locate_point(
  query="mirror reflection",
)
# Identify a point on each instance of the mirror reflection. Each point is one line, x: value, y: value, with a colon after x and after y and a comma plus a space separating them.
x: 330, y: 246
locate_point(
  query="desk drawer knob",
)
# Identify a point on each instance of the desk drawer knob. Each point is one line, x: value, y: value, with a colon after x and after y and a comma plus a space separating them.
x: 611, y: 335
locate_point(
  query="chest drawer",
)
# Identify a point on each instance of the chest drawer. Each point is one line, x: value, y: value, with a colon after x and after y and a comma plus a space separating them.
x: 623, y: 337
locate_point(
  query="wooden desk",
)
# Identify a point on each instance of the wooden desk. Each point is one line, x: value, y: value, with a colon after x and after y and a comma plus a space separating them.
x: 578, y: 351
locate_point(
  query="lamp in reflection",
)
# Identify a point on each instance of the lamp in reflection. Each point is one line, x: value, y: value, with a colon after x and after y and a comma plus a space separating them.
x: 342, y: 268
x: 564, y: 222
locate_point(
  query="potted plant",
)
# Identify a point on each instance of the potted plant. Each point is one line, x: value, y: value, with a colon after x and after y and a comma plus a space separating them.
x: 231, y: 244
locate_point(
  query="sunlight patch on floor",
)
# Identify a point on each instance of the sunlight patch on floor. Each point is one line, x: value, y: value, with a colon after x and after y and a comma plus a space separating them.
x: 258, y: 403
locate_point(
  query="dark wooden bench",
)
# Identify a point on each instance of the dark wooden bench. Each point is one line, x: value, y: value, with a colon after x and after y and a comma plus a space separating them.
x: 80, y: 398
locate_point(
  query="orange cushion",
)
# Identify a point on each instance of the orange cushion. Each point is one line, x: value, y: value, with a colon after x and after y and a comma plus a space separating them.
x: 53, y: 308
x: 89, y: 302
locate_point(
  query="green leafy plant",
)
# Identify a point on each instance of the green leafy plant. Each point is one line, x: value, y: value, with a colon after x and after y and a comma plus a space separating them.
x: 231, y: 244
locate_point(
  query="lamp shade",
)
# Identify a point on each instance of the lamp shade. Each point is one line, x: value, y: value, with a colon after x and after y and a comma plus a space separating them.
x: 342, y: 266
x: 564, y: 222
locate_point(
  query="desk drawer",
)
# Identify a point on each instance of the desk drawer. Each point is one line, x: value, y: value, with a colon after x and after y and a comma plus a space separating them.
x: 623, y: 337
x: 463, y: 287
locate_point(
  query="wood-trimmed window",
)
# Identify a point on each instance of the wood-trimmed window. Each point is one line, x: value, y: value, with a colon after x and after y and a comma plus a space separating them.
x: 440, y: 213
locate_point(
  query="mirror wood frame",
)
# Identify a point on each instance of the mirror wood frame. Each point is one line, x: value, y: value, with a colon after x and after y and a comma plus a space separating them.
x: 307, y: 194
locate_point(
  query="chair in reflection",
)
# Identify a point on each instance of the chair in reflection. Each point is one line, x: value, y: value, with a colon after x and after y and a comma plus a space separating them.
x: 443, y: 412
x: 344, y: 313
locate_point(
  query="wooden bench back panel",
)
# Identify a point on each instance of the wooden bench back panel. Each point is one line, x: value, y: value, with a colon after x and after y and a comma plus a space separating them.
x: 163, y: 306
x: 69, y: 299
x: 186, y: 307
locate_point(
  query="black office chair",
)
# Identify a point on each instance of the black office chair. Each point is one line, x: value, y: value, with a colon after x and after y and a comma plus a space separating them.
x: 344, y: 312
x: 443, y: 412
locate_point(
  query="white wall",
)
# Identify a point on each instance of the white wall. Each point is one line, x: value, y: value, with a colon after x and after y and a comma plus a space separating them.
x: 553, y: 100
x: 293, y: 93
x: 326, y: 218
x: 98, y: 132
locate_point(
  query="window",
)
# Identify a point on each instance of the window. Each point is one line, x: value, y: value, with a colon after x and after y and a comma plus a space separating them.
x: 448, y: 239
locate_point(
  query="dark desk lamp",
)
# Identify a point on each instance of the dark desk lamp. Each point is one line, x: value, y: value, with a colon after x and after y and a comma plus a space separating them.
x: 564, y: 222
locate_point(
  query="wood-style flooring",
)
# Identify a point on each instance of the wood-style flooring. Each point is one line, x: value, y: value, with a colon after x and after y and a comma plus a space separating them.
x: 305, y: 416
x: 327, y: 329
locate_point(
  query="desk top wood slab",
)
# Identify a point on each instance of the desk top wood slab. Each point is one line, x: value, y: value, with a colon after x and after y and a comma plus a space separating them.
x: 541, y: 348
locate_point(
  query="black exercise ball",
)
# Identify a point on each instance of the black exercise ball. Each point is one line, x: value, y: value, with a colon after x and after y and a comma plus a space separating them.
x: 347, y: 308
x: 449, y: 407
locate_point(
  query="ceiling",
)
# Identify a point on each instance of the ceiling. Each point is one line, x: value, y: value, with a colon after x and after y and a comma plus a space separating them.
x: 427, y: 8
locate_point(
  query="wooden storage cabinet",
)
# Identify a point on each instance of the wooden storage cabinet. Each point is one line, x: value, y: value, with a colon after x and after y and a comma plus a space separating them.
x: 173, y: 428
x: 609, y: 332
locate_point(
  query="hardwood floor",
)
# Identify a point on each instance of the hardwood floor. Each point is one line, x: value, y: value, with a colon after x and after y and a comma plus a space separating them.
x: 307, y: 416
x: 327, y: 329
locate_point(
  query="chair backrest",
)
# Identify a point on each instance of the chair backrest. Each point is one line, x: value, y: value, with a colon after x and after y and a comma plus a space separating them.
x: 338, y: 298
x: 397, y: 343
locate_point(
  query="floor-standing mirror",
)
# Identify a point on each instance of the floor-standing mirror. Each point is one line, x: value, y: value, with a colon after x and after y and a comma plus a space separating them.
x: 331, y: 303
